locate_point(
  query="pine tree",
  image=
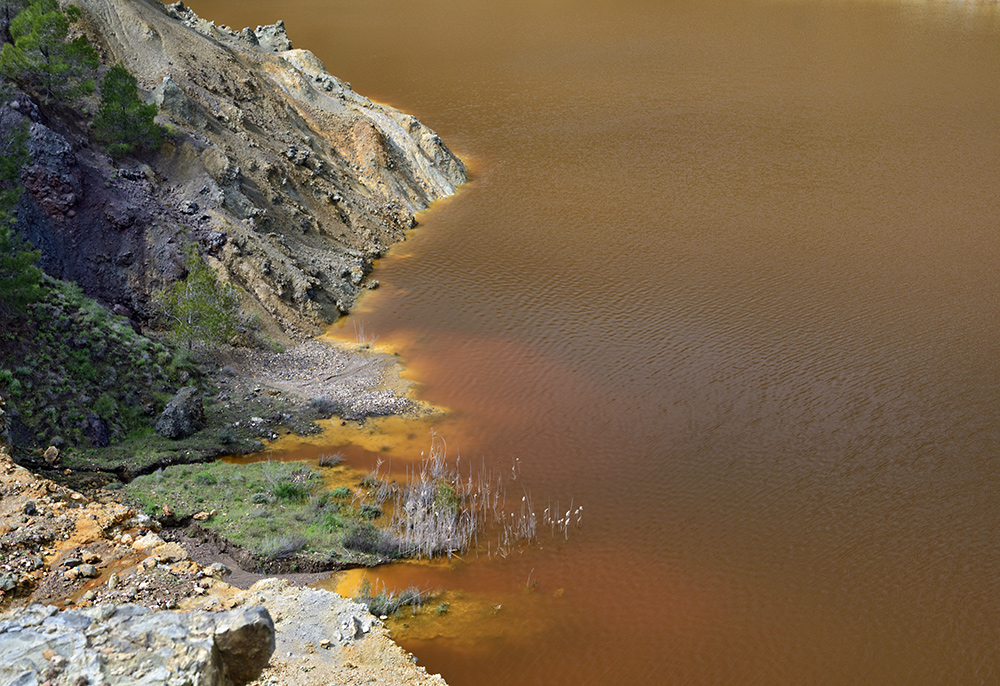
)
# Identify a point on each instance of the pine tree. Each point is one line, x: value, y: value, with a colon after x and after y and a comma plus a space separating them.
x: 123, y: 123
x: 41, y: 59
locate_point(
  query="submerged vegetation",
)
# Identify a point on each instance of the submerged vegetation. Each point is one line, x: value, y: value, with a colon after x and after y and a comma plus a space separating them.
x: 384, y: 602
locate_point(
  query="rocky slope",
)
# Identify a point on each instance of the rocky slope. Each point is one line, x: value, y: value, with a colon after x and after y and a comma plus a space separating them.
x: 290, y: 181
x: 79, y: 577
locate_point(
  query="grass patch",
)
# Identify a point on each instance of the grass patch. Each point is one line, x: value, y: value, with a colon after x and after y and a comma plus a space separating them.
x: 385, y: 603
x: 278, y: 510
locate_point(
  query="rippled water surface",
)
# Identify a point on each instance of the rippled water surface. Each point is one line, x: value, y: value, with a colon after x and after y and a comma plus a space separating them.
x: 726, y: 276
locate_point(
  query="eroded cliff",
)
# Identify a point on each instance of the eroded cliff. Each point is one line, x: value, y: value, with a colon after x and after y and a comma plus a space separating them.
x: 289, y: 181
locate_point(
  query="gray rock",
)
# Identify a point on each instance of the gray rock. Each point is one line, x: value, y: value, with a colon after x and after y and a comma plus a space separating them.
x: 246, y: 642
x: 87, y: 571
x: 183, y: 415
x: 169, y: 97
x: 273, y: 38
x: 127, y: 644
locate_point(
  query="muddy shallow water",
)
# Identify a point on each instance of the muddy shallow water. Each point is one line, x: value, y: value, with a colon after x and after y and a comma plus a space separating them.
x: 725, y: 275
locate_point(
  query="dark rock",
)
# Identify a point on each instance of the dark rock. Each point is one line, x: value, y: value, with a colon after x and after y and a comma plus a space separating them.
x: 120, y: 215
x: 30, y: 508
x: 52, y: 178
x: 95, y: 430
x: 183, y: 415
x: 214, y: 240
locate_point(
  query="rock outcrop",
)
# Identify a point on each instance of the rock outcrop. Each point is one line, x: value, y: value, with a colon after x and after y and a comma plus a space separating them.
x: 183, y: 415
x: 290, y: 181
x: 129, y: 644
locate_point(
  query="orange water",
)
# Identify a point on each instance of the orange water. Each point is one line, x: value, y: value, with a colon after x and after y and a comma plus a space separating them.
x: 726, y: 276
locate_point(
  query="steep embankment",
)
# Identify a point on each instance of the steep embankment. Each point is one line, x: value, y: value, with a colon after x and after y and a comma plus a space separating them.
x: 289, y: 180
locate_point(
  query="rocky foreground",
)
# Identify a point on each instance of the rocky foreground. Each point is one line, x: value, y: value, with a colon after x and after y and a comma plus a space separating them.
x: 94, y: 595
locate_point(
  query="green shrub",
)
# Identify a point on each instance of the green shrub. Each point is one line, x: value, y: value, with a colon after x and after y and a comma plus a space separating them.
x: 281, y: 547
x: 261, y: 498
x: 290, y: 492
x: 105, y: 407
x: 199, y: 308
x: 341, y: 492
x: 385, y: 602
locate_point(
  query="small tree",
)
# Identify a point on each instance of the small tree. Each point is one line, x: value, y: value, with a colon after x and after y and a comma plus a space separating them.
x: 41, y: 59
x: 123, y: 123
x: 199, y: 307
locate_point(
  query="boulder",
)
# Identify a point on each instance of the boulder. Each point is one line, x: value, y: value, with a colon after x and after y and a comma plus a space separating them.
x: 273, y: 37
x: 246, y: 641
x: 183, y: 415
x: 128, y: 644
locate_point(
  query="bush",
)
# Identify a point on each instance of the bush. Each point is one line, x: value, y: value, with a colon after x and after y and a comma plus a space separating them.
x: 325, y: 408
x: 290, y: 492
x: 341, y: 492
x: 261, y: 498
x: 331, y: 460
x: 199, y: 308
x: 365, y: 538
x: 367, y: 511
x: 332, y: 521
x: 105, y: 407
x: 41, y: 59
x: 281, y: 547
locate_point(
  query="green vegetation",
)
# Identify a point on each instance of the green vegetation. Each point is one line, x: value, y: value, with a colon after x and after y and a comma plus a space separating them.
x: 73, y: 359
x: 123, y: 123
x: 199, y: 308
x: 276, y: 510
x: 42, y: 60
x: 385, y: 602
x: 19, y: 275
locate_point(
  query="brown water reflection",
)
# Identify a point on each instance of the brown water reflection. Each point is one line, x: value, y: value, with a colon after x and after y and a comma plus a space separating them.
x: 726, y: 276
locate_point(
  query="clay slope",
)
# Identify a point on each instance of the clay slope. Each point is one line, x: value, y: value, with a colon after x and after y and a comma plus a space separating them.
x: 288, y: 178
